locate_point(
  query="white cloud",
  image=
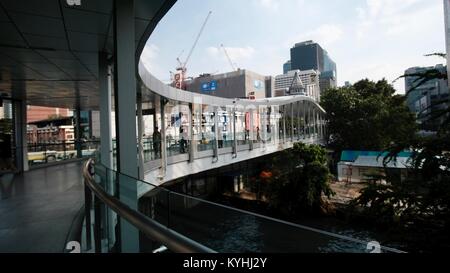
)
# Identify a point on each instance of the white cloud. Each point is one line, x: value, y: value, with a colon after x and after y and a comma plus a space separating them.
x: 150, y: 55
x: 269, y: 4
x: 237, y: 54
x: 393, y: 17
x: 325, y: 35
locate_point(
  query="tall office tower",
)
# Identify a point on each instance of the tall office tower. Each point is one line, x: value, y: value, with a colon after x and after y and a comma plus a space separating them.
x: 309, y: 55
x: 447, y: 33
x: 425, y: 98
x: 287, y: 67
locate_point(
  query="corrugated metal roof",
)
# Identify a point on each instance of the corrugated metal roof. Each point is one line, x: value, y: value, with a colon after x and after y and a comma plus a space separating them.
x: 351, y: 156
x: 377, y: 162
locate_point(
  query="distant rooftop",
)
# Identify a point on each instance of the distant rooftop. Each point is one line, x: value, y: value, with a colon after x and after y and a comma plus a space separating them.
x: 310, y: 42
x: 352, y: 156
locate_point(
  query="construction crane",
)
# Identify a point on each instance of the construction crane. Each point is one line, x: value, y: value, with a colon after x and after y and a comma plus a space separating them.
x: 228, y: 57
x: 180, y: 75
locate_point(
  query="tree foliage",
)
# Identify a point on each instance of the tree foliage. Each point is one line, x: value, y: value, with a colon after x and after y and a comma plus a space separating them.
x: 367, y: 116
x: 299, y: 177
x: 420, y: 205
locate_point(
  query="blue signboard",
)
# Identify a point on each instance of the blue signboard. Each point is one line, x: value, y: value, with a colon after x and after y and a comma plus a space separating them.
x: 206, y: 86
x: 209, y: 86
x: 258, y: 84
x: 213, y: 85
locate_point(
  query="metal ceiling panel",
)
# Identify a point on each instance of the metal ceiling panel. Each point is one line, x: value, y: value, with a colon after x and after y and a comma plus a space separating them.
x: 9, y: 34
x: 22, y: 73
x: 84, y: 21
x: 64, y: 49
x: 85, y: 42
x: 49, y: 8
x: 57, y: 54
x: 50, y: 43
x: 146, y: 9
x: 102, y: 6
x: 38, y: 25
x: 3, y: 17
x: 22, y: 55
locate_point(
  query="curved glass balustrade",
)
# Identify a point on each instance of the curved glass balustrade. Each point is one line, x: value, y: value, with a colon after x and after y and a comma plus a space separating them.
x: 215, y: 226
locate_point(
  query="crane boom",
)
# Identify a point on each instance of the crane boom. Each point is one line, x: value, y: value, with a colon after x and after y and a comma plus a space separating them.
x: 228, y: 57
x: 196, y: 40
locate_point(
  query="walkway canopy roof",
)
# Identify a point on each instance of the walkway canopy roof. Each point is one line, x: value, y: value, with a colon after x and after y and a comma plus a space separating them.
x: 49, y: 49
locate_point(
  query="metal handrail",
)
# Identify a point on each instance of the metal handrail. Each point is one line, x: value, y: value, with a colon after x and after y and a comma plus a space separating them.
x: 171, y: 239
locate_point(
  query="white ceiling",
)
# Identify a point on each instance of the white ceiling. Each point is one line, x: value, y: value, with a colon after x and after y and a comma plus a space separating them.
x: 49, y: 50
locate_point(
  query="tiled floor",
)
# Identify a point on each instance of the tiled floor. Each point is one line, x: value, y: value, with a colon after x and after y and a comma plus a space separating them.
x: 37, y: 208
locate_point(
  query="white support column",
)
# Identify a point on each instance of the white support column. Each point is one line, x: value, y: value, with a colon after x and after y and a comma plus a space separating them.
x: 163, y: 148
x: 284, y: 123
x: 106, y: 148
x: 252, y: 129
x: 140, y: 125
x: 304, y: 119
x: 292, y: 122
x: 310, y: 123
x: 275, y: 112
x: 298, y: 121
x: 216, y: 134
x: 192, y: 143
x: 125, y: 107
x: 78, y: 132
x: 234, y: 133
x: 264, y: 136
x: 20, y: 124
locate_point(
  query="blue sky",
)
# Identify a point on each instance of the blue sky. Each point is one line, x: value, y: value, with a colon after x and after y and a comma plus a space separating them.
x: 366, y: 38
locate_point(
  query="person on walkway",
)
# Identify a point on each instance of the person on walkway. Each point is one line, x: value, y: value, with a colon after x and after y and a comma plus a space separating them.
x: 157, y: 143
x: 183, y: 141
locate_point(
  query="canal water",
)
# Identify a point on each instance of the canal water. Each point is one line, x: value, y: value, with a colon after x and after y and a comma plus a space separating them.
x: 231, y: 230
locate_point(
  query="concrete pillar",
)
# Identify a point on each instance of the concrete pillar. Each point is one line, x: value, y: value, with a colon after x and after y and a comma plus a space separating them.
x: 216, y: 133
x: 20, y: 125
x: 276, y: 131
x: 78, y: 132
x: 309, y: 119
x: 193, y: 144
x: 234, y: 132
x: 284, y: 123
x: 298, y: 121
x: 163, y: 102
x: 106, y: 149
x: 263, y: 128
x: 304, y: 119
x: 252, y: 130
x: 140, y: 129
x: 125, y: 107
x: 292, y: 122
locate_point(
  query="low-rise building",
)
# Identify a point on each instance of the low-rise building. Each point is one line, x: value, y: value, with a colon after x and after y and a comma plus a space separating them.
x: 362, y: 166
x: 237, y: 84
x: 309, y: 79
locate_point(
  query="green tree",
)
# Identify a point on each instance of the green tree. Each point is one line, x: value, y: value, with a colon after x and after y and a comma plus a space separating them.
x: 367, y: 116
x: 418, y: 207
x: 300, y: 177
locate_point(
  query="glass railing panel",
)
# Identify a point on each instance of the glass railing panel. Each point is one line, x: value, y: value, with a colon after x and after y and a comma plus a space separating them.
x: 219, y: 227
x: 177, y: 146
x: 43, y: 153
x: 234, y: 231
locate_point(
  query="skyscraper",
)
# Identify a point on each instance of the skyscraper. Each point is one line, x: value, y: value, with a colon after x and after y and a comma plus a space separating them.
x: 287, y: 67
x: 310, y: 55
x: 425, y: 98
x: 447, y: 33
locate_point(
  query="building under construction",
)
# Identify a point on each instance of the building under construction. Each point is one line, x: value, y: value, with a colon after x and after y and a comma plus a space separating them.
x: 237, y: 84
